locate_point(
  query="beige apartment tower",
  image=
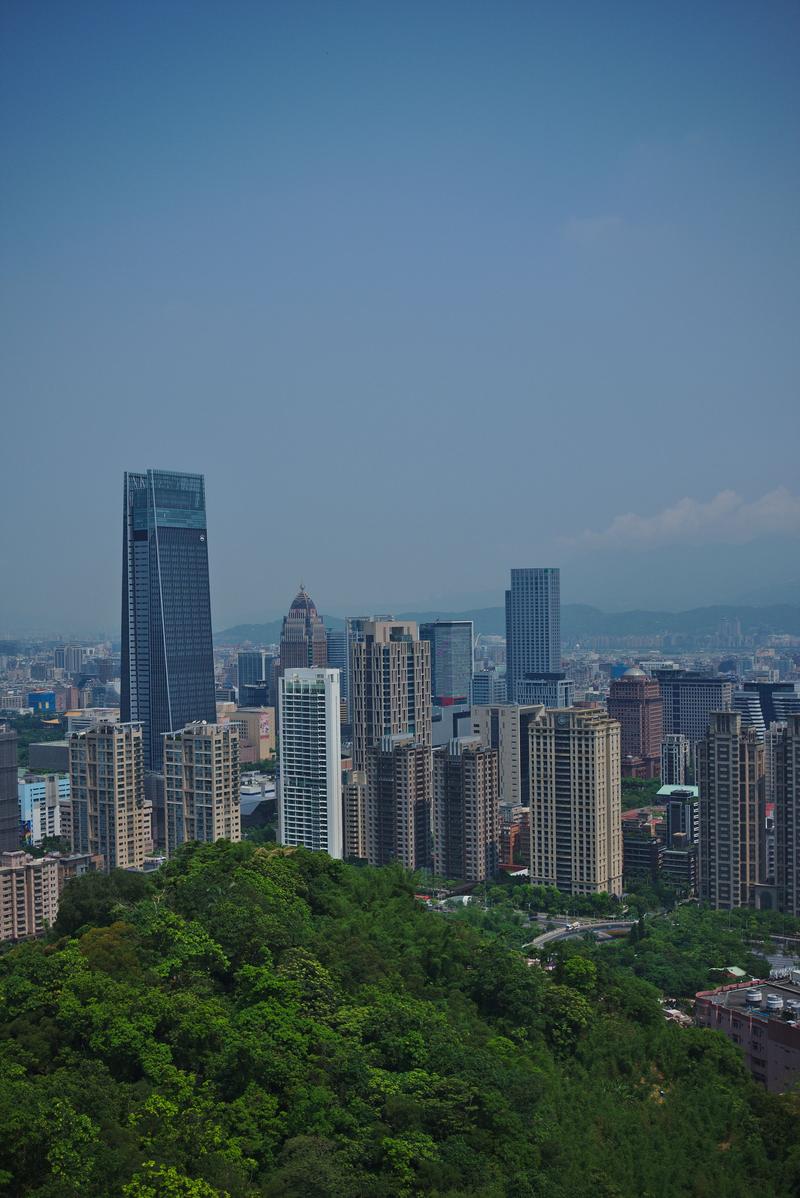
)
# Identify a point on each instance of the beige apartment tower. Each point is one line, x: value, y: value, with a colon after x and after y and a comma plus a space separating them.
x: 730, y: 775
x: 390, y: 671
x: 106, y: 769
x: 466, y: 821
x: 28, y: 895
x: 576, y: 805
x: 390, y: 698
x: 201, y: 784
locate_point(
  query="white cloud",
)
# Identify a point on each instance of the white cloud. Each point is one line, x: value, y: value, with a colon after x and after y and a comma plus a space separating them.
x: 727, y: 517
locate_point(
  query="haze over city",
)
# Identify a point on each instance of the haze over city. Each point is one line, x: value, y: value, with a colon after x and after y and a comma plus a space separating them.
x: 503, y: 283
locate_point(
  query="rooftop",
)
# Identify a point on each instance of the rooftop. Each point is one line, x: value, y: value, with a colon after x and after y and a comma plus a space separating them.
x: 754, y: 997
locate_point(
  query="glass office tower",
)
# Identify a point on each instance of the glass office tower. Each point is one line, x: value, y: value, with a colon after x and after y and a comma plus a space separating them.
x: 167, y: 653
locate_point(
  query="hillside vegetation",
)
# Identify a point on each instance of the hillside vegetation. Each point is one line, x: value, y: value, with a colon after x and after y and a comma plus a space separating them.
x: 257, y: 1021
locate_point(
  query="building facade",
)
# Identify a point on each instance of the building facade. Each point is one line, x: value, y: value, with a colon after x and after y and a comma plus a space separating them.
x: 504, y: 728
x: 310, y: 809
x: 576, y: 804
x: 106, y: 772
x: 397, y: 802
x: 635, y: 701
x: 28, y: 895
x: 304, y: 639
x: 676, y: 759
x: 201, y: 784
x: 533, y: 626
x: 451, y: 660
x: 465, y: 817
x: 9, y: 802
x: 689, y: 699
x: 787, y: 817
x: 45, y: 807
x: 167, y: 654
x: 730, y: 765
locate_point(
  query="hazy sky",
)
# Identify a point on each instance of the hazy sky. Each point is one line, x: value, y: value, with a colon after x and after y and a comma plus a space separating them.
x: 425, y: 289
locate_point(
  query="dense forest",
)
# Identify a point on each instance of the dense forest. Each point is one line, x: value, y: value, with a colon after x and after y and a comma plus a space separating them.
x: 260, y: 1021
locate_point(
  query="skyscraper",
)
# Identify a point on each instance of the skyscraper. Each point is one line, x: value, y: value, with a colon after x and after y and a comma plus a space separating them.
x: 730, y: 774
x: 576, y: 805
x: 391, y: 685
x: 167, y: 652
x: 635, y: 701
x: 391, y: 715
x: 9, y: 800
x: 310, y: 796
x: 533, y: 626
x: 304, y: 639
x: 254, y: 666
x: 466, y: 823
x: 689, y: 699
x: 787, y: 816
x: 451, y: 660
x: 201, y: 784
x: 106, y: 772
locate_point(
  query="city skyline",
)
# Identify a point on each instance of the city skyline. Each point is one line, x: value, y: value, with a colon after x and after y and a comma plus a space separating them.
x: 551, y: 244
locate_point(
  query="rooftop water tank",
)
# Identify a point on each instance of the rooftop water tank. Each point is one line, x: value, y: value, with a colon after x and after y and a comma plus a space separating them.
x: 774, y: 1004
x: 752, y: 997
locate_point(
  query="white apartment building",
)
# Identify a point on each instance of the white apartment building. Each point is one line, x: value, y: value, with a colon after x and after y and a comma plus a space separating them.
x: 310, y: 787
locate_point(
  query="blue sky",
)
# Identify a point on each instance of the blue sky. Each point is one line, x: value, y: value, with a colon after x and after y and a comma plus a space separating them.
x: 426, y: 290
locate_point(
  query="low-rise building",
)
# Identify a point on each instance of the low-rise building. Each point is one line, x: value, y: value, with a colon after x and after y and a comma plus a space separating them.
x: 763, y: 1019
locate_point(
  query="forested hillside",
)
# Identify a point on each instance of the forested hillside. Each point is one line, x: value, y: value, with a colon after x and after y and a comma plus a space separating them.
x: 257, y: 1021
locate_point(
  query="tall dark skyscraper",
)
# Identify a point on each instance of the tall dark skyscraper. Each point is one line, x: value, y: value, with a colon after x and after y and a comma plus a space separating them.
x: 533, y: 626
x: 167, y: 652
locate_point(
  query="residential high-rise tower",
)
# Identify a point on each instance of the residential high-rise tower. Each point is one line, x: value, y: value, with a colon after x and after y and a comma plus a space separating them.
x: 9, y: 800
x: 576, y: 805
x: 310, y: 798
x: 730, y: 775
x: 106, y: 771
x: 201, y: 784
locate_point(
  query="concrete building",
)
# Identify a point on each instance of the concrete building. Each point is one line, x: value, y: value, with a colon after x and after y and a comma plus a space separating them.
x: 451, y: 660
x: 681, y: 805
x: 489, y: 687
x: 201, y: 784
x: 548, y: 690
x: 504, y: 728
x: 310, y: 787
x: 763, y: 1020
x: 730, y: 763
x: 304, y: 639
x: 676, y: 758
x: 257, y: 732
x: 85, y: 717
x: 787, y: 818
x: 689, y: 699
x: 748, y: 705
x: 28, y: 895
x: 391, y: 685
x: 252, y: 667
x: 9, y: 802
x: 397, y: 802
x: 465, y: 817
x: 106, y: 771
x: 533, y: 626
x: 354, y: 796
x: 576, y: 805
x: 635, y: 701
x: 45, y: 807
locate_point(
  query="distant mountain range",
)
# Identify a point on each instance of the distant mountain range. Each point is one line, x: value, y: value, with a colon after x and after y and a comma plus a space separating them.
x: 577, y: 621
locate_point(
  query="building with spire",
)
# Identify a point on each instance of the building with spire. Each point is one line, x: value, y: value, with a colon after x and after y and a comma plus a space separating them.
x: 304, y: 640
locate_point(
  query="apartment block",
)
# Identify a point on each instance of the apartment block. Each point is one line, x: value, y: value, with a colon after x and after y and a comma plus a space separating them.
x: 106, y: 769
x: 201, y: 784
